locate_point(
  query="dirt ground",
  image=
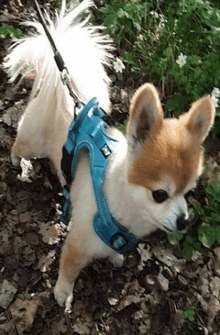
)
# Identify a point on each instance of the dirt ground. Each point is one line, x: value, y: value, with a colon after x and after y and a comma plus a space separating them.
x: 148, y: 295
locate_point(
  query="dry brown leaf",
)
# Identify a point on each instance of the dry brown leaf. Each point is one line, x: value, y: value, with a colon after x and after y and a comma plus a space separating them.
x: 7, y: 328
x: 83, y: 324
x: 45, y: 261
x: 23, y: 313
x: 145, y: 255
x: 58, y: 327
x: 50, y: 232
x: 214, y: 303
x: 166, y: 257
x: 7, y: 294
x: 132, y: 293
x: 5, y: 138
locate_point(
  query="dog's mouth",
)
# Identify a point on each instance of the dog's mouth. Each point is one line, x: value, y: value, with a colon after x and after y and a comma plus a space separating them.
x: 169, y: 229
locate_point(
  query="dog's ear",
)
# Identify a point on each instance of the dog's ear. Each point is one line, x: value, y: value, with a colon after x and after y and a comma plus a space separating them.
x: 146, y: 115
x: 200, y: 118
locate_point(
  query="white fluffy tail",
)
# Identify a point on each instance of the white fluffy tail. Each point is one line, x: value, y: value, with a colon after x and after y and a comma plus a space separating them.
x: 84, y: 50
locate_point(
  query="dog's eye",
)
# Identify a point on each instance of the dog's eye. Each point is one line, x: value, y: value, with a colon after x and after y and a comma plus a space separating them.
x: 160, y: 196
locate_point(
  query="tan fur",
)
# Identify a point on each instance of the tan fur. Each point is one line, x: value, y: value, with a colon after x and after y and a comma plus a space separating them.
x: 201, y: 118
x: 145, y: 97
x: 163, y: 155
x: 71, y: 259
x: 173, y: 148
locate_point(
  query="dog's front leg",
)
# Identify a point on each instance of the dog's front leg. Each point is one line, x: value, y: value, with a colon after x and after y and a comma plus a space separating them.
x: 73, y: 259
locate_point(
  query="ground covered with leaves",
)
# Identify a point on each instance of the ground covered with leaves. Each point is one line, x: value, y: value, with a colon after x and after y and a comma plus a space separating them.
x: 156, y: 291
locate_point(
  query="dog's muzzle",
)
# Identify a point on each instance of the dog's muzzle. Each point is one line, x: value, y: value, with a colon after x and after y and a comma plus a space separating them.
x: 175, y: 222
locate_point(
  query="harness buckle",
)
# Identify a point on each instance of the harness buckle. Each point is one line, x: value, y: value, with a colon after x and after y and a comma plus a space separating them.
x: 118, y: 241
x: 106, y: 151
x: 66, y: 80
x: 65, y: 76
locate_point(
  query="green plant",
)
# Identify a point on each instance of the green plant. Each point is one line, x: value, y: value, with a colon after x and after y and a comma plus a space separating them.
x: 124, y: 19
x: 122, y: 127
x: 189, y: 314
x: 178, y: 43
x: 209, y: 231
x: 6, y: 30
x: 59, y: 2
x: 151, y: 36
x: 190, y: 245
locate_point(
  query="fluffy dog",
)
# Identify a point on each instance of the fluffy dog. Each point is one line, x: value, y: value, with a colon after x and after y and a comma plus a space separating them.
x: 151, y: 170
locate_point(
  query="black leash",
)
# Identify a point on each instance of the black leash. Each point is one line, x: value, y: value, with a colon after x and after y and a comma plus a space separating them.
x: 59, y: 60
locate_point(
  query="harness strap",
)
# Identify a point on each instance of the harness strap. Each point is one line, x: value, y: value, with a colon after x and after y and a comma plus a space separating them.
x: 89, y: 132
x: 107, y: 228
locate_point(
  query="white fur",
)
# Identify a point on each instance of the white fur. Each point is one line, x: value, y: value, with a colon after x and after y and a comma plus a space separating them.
x: 84, y: 51
x: 43, y: 129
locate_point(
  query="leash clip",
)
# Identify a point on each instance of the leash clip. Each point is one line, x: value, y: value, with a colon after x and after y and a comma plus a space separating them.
x: 65, y: 77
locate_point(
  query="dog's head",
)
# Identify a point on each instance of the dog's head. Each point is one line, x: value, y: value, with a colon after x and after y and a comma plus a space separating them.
x: 165, y: 156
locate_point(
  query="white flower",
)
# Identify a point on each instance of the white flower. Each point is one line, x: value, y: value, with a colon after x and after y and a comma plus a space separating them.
x: 141, y: 37
x: 216, y: 92
x: 155, y: 14
x: 214, y: 100
x: 162, y: 19
x: 181, y: 60
x: 118, y: 65
x: 214, y: 96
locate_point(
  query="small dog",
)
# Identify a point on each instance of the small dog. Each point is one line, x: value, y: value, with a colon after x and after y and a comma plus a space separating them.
x: 151, y: 170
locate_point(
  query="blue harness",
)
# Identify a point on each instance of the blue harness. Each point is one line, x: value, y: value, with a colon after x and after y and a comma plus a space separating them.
x: 88, y: 132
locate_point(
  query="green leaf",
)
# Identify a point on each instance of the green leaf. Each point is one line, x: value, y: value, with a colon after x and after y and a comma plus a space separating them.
x: 187, y: 253
x: 217, y: 232
x: 110, y: 20
x: 176, y: 103
x: 189, y: 314
x: 137, y: 26
x: 6, y: 30
x: 215, y: 130
x: 193, y: 241
x: 122, y: 127
x: 175, y: 238
x: 121, y: 13
x: 206, y: 236
x: 214, y: 189
x: 168, y: 52
x: 199, y: 210
x: 214, y: 217
x: 189, y: 245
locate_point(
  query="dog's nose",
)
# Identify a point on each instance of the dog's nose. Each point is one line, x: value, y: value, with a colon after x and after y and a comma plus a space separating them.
x: 181, y: 222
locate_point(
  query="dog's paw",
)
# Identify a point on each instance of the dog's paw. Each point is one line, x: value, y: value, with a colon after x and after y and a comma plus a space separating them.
x: 117, y: 260
x: 63, y: 294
